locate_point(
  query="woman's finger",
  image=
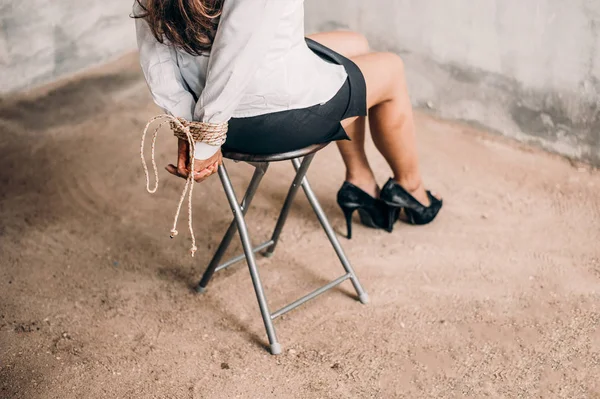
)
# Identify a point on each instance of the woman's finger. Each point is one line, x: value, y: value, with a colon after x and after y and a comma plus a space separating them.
x: 173, y: 170
x: 203, y: 174
x: 200, y: 167
x: 198, y: 176
x: 183, y: 157
x: 200, y: 179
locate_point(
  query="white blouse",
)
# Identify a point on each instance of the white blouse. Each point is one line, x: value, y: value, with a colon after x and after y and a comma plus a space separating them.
x: 259, y: 63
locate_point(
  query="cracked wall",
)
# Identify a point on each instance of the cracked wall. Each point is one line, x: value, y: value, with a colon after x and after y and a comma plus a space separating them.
x: 42, y: 40
x: 527, y: 69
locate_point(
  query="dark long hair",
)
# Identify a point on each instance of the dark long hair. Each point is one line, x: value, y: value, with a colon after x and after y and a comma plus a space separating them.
x: 190, y: 25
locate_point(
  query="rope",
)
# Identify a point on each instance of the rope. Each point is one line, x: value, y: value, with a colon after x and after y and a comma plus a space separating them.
x: 210, y: 133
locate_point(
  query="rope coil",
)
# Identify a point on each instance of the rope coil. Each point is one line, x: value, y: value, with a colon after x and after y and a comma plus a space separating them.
x: 210, y: 133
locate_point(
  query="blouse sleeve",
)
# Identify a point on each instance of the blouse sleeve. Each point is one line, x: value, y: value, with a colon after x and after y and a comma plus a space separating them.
x: 161, y: 70
x: 244, y: 36
x: 159, y: 64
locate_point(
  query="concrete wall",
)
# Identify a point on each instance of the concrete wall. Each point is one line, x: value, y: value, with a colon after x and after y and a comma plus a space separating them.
x: 529, y: 69
x: 41, y: 40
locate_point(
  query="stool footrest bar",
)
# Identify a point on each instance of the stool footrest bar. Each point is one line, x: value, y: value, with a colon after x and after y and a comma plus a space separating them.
x: 232, y: 261
x: 310, y: 296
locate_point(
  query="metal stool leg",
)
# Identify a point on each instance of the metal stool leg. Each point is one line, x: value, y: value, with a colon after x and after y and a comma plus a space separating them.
x: 314, y: 202
x: 300, y: 174
x: 259, y: 173
x: 248, y: 250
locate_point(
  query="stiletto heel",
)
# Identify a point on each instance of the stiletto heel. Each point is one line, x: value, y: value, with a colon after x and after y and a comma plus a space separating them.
x: 397, y: 197
x: 348, y: 215
x: 373, y: 212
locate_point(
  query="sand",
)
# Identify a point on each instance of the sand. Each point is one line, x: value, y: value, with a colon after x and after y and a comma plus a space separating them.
x: 498, y: 298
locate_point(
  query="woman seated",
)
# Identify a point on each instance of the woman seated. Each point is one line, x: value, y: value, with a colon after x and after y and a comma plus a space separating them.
x: 247, y: 63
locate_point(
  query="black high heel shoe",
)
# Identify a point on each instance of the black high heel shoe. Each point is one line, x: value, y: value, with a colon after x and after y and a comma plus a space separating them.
x: 396, y: 196
x: 373, y: 212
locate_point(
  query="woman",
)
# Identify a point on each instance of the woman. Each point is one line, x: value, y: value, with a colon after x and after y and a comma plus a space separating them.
x: 246, y: 62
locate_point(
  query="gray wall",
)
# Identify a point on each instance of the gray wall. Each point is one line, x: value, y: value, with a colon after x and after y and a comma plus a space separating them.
x: 41, y: 40
x: 529, y: 69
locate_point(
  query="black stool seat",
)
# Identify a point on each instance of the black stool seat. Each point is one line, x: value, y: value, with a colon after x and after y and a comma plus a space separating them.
x: 284, y: 156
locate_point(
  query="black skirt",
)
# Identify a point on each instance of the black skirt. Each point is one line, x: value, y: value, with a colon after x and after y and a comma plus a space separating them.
x: 291, y: 130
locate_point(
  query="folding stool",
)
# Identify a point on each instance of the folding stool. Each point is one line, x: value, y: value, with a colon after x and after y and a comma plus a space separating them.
x: 301, y: 160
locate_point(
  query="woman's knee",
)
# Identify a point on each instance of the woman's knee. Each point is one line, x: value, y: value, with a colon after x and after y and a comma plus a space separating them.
x: 349, y: 44
x: 395, y: 68
x: 360, y: 44
x: 395, y: 61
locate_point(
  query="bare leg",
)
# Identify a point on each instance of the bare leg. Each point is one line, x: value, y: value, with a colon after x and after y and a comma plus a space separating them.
x: 349, y: 44
x: 390, y: 117
x: 358, y: 170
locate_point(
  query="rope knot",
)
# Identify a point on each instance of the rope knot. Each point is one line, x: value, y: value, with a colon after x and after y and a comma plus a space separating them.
x: 192, y: 132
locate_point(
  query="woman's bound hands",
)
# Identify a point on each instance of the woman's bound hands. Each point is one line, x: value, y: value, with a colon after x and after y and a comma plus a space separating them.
x: 202, y: 168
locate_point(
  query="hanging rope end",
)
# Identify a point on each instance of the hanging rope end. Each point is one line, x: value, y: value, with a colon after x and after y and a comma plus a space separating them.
x: 191, y: 132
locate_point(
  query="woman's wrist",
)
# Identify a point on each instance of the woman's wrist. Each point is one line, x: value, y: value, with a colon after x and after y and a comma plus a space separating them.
x: 208, y: 137
x: 204, y: 151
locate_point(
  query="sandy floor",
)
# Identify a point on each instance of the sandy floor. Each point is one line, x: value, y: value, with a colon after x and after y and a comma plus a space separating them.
x: 500, y: 297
